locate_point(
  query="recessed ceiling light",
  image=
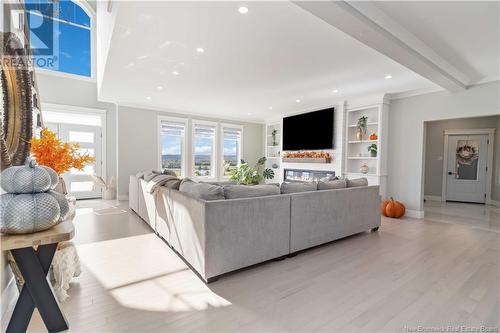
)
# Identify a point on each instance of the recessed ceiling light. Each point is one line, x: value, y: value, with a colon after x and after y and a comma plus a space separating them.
x: 243, y: 10
x: 142, y: 57
x: 335, y: 91
x: 175, y: 73
x: 159, y: 88
x: 297, y: 100
x: 387, y: 77
x: 200, y: 50
x: 148, y: 97
x: 270, y: 107
x: 249, y: 113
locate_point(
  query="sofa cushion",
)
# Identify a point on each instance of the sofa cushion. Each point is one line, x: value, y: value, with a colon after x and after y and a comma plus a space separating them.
x: 294, y: 187
x: 202, y: 191
x: 332, y: 184
x: 357, y: 182
x: 249, y: 191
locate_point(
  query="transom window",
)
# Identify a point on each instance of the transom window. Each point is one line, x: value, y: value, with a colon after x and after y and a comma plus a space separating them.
x: 60, y: 35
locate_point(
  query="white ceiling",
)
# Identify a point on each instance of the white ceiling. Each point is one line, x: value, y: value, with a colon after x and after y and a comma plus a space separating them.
x: 271, y: 56
x: 466, y: 34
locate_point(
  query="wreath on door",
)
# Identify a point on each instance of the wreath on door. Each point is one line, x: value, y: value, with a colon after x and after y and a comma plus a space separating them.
x: 467, y: 154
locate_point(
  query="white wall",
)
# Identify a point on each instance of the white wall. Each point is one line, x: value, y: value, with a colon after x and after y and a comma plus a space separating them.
x: 434, y: 150
x: 138, y: 141
x: 83, y: 93
x: 495, y: 191
x: 406, y: 134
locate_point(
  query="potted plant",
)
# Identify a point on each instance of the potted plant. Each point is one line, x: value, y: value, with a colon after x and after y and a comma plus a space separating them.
x: 373, y: 150
x: 61, y: 156
x: 248, y: 175
x: 273, y: 134
x: 361, y: 127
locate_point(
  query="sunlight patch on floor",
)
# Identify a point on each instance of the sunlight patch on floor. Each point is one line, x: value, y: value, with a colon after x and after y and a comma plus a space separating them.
x: 141, y: 272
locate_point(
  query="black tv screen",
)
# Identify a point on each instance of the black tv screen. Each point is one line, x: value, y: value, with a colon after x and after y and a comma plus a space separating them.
x: 309, y: 131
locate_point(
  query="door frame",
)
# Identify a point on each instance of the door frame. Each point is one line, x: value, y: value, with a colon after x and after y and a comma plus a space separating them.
x: 489, y: 162
x: 79, y: 110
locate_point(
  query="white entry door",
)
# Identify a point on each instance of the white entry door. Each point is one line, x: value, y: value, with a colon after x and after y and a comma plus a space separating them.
x: 79, y: 182
x: 466, y: 172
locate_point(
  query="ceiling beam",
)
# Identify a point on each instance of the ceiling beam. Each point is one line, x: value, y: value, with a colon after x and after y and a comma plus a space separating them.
x: 368, y: 24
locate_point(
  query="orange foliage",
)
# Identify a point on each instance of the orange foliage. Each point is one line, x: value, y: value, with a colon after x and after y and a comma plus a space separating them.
x: 60, y: 156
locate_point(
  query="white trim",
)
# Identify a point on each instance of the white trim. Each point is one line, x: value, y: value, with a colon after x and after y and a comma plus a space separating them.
x: 222, y: 126
x: 416, y: 214
x: 489, y: 163
x: 122, y: 197
x: 184, y: 153
x: 71, y: 108
x: 495, y: 203
x: 215, y: 153
x: 433, y: 197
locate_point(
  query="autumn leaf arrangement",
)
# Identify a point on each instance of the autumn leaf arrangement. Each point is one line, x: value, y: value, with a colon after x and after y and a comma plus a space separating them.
x: 60, y: 156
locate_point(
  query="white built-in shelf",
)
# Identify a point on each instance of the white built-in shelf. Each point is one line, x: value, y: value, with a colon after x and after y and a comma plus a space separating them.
x: 359, y: 174
x: 369, y: 124
x: 271, y: 146
x: 361, y: 158
x: 273, y: 157
x: 363, y: 141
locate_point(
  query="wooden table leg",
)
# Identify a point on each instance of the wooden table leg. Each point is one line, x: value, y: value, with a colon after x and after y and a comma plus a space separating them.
x: 36, y: 292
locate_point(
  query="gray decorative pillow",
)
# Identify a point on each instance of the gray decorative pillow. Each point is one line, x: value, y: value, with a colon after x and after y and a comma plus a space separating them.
x: 357, y: 182
x: 202, y: 191
x: 332, y: 185
x: 294, y: 187
x: 169, y: 172
x: 250, y: 191
x: 328, y: 178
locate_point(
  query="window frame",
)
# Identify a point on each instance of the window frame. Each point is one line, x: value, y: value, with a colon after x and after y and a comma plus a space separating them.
x: 221, y: 147
x: 93, y: 48
x: 184, y: 142
x: 215, y: 153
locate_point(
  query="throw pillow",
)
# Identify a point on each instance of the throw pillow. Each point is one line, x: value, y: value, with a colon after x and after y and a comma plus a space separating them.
x: 357, y: 182
x: 169, y: 172
x: 332, y: 185
x: 295, y: 187
x: 250, y: 191
x: 203, y: 191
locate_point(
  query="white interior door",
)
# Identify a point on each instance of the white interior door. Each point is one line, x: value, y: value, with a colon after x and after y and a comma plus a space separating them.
x: 466, y: 173
x: 79, y: 182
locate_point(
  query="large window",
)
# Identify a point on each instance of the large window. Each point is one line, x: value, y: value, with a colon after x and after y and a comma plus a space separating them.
x: 204, y: 139
x: 60, y: 34
x: 231, y: 149
x: 172, y: 145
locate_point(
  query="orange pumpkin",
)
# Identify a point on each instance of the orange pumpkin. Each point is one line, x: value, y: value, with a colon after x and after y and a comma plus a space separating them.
x: 373, y: 136
x: 394, y: 209
x: 383, y: 205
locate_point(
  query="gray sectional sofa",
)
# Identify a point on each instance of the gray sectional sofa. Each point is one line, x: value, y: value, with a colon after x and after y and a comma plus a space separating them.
x: 220, y: 236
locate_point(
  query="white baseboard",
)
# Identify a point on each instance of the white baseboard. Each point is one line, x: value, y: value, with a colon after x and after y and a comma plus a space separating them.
x: 123, y: 197
x: 495, y: 203
x: 9, y: 296
x: 433, y: 197
x: 416, y: 214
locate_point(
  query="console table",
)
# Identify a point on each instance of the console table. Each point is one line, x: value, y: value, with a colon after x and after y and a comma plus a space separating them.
x: 34, y: 266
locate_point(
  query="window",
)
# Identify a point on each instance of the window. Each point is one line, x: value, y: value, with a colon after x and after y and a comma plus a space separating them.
x: 172, y: 145
x: 204, y: 138
x: 231, y: 149
x: 60, y: 34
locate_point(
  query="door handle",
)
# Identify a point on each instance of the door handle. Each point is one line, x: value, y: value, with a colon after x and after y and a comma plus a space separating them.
x: 450, y: 173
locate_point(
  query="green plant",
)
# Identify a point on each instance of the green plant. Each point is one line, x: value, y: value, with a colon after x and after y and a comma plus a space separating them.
x: 362, y: 124
x: 248, y: 175
x: 373, y: 149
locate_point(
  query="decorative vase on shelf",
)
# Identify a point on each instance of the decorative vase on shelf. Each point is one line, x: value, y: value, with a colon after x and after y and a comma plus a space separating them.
x: 61, y: 186
x: 364, y: 169
x: 359, y: 135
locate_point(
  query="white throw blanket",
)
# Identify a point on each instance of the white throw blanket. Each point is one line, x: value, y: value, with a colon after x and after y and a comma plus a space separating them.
x: 65, y: 266
x: 162, y: 180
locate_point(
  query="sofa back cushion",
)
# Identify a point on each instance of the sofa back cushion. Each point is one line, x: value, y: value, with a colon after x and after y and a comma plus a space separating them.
x: 203, y: 191
x: 357, y: 182
x: 294, y: 187
x: 249, y: 191
x: 332, y: 184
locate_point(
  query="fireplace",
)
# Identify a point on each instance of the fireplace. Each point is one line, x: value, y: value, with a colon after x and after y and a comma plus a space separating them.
x: 301, y: 175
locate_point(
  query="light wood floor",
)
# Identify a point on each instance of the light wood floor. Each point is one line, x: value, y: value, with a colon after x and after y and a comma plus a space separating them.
x: 411, y: 273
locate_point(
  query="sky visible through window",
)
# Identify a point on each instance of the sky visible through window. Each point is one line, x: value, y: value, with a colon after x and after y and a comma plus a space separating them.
x: 62, y: 44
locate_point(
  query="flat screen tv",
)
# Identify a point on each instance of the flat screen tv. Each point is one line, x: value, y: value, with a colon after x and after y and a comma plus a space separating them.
x: 309, y: 131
